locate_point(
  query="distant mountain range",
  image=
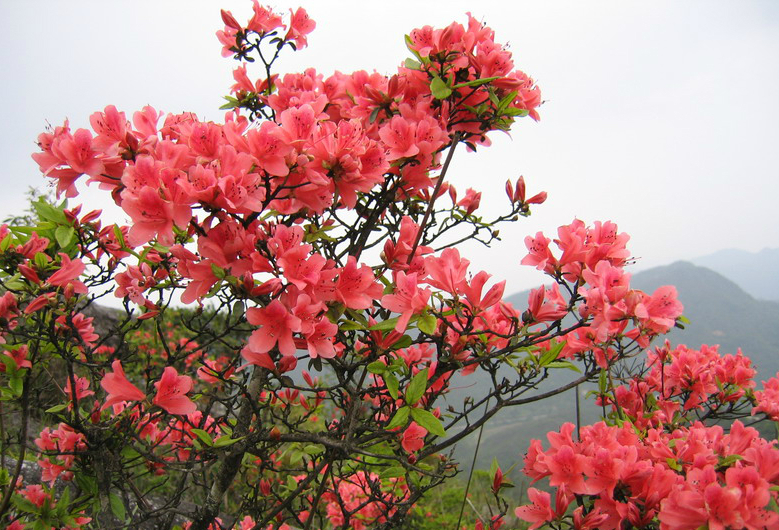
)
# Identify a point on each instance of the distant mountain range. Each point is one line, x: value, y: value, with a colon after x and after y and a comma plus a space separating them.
x: 755, y: 272
x: 720, y: 312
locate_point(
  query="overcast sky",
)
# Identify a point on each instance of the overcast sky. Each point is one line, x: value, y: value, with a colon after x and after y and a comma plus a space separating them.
x: 660, y: 116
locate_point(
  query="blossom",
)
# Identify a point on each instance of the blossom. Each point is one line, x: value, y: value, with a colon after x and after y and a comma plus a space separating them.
x: 118, y: 387
x: 413, y: 437
x: 408, y: 299
x: 276, y: 326
x: 171, y: 392
x: 68, y: 273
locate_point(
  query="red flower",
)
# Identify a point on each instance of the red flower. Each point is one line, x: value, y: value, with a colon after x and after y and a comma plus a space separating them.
x: 171, y: 392
x: 118, y: 387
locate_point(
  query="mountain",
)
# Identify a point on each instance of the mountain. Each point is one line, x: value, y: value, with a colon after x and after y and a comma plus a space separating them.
x: 755, y: 272
x: 720, y: 312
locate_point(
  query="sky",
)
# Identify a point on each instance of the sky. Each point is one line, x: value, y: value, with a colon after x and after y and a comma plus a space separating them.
x: 660, y: 116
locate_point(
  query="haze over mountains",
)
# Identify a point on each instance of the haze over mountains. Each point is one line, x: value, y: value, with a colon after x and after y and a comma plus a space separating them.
x: 757, y: 273
x: 721, y: 311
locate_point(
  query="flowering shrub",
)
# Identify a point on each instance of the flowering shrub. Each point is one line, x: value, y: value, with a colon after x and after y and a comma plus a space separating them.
x: 311, y: 238
x: 657, y: 461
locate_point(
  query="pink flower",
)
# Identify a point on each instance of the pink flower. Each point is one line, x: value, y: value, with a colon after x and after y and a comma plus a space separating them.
x: 539, y: 512
x: 357, y: 287
x: 276, y: 326
x: 408, y: 299
x: 118, y: 387
x: 300, y: 25
x: 413, y: 437
x: 171, y: 392
x: 471, y: 201
x: 68, y: 272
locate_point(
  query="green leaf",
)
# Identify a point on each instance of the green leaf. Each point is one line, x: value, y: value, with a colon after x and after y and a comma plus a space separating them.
x: 476, y: 82
x: 9, y: 362
x: 410, y: 46
x: 162, y: 249
x: 218, y: 271
x: 416, y: 388
x: 231, y: 103
x: 374, y: 114
x: 427, y: 324
x: 377, y: 367
x: 603, y: 382
x: 439, y: 89
x: 117, y: 506
x: 504, y: 103
x: 119, y: 236
x: 313, y: 449
x: 87, y: 484
x: 64, y: 235
x: 403, y: 342
x: 56, y: 408
x: 63, y: 504
x: 226, y: 441
x: 41, y: 260
x: 412, y: 64
x: 349, y: 325
x: 729, y: 460
x: 673, y: 464
x: 493, y: 466
x: 204, y: 436
x: 16, y: 385
x: 564, y: 364
x: 392, y: 384
x: 552, y: 353
x: 392, y: 472
x: 48, y: 212
x: 400, y: 419
x: 6, y: 242
x: 24, y: 505
x: 385, y: 325
x: 427, y: 419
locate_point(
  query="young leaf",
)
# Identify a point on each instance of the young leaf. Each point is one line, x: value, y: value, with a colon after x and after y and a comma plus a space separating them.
x: 476, y: 82
x: 64, y: 235
x: 226, y: 441
x: 426, y: 419
x: 385, y: 325
x: 204, y: 436
x: 392, y: 384
x: 564, y: 364
x: 427, y: 324
x: 416, y: 388
x: 439, y: 89
x: 377, y: 367
x: 400, y: 419
x: 117, y: 506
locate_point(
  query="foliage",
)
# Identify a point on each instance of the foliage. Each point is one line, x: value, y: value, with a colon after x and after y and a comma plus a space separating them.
x: 313, y: 236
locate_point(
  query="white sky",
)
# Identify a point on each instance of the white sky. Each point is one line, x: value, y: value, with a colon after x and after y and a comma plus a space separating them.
x: 661, y: 116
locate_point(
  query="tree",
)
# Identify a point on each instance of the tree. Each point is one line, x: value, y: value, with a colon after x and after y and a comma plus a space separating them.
x: 311, y: 241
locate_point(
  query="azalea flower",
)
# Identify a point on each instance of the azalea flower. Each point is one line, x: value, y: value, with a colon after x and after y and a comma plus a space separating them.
x: 119, y: 388
x: 171, y: 392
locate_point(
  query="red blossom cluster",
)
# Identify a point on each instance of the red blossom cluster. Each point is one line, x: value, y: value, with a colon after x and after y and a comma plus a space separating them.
x: 307, y: 228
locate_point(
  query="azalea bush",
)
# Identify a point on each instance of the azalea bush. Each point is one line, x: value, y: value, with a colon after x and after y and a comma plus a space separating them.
x: 295, y: 310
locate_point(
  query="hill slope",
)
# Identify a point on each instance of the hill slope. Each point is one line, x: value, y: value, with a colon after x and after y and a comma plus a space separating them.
x: 755, y: 272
